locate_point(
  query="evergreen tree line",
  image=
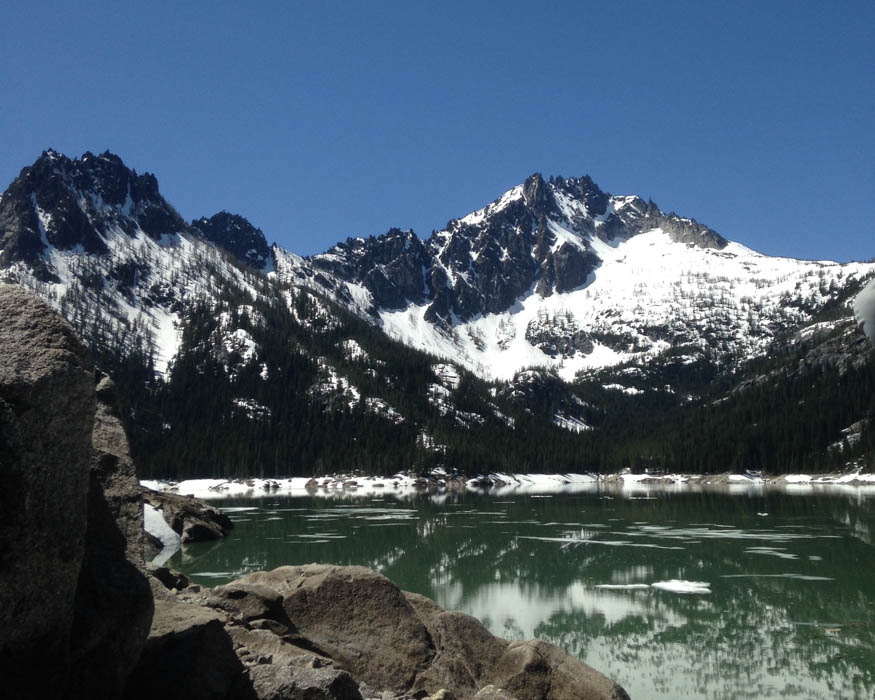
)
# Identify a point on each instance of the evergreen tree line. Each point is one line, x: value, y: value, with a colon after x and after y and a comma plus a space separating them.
x: 218, y: 414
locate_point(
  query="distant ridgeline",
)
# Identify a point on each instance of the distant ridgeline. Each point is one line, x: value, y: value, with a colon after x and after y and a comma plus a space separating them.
x: 559, y: 329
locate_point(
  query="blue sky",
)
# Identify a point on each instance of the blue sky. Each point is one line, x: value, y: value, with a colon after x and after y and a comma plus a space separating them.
x: 319, y: 121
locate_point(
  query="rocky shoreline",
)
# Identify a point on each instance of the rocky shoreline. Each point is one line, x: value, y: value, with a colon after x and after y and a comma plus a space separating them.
x: 439, y: 482
x: 321, y: 631
x: 82, y: 615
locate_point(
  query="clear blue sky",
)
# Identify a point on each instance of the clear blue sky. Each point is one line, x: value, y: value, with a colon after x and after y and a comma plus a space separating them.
x: 322, y: 120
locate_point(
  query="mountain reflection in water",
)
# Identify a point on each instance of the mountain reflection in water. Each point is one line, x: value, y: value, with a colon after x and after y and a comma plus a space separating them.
x: 698, y: 595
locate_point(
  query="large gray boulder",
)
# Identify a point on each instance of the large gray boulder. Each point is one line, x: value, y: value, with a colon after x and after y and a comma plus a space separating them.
x: 271, y: 682
x: 538, y: 670
x: 355, y: 616
x: 74, y: 606
x: 47, y: 405
x: 466, y: 651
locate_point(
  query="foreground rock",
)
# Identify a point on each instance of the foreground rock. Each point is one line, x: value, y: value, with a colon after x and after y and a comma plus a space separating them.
x: 47, y: 407
x: 74, y: 609
x: 192, y: 519
x: 321, y: 631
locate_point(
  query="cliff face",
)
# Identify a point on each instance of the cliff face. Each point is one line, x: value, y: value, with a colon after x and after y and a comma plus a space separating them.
x: 75, y: 608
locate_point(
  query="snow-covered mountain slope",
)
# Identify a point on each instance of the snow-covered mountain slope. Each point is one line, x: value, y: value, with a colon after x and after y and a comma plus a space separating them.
x: 560, y: 274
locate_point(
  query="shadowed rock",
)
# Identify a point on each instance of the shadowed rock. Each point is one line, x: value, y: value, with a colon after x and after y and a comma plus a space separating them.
x: 188, y: 655
x: 74, y: 605
x: 113, y: 598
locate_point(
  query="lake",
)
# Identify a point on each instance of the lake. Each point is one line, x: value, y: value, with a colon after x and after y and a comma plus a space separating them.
x: 672, y: 593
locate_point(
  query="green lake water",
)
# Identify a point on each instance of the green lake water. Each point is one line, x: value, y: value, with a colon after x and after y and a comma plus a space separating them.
x: 777, y: 596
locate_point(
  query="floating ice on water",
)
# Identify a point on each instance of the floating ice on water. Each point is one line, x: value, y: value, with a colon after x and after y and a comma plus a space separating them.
x: 771, y: 551
x: 798, y: 577
x: 672, y: 585
x: 686, y: 587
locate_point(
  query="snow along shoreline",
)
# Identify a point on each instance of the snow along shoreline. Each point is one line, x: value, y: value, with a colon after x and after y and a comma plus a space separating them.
x: 408, y: 484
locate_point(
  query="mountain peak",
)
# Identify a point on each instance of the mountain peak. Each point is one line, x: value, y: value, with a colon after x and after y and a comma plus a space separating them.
x: 238, y: 236
x: 71, y: 204
x: 538, y: 195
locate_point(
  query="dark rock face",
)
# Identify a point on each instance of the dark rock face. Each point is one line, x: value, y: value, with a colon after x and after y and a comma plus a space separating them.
x: 74, y: 607
x: 639, y: 216
x: 193, y: 520
x: 558, y: 336
x: 113, y: 598
x: 392, y: 267
x: 236, y: 235
x: 47, y: 406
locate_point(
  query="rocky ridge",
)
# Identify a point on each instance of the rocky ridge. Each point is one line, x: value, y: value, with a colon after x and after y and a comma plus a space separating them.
x: 484, y: 262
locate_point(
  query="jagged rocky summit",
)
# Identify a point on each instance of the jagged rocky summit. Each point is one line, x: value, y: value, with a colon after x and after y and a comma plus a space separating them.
x: 82, y: 615
x: 536, y: 237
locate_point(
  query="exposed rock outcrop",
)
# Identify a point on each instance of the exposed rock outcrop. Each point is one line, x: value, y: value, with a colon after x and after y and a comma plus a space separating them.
x: 238, y: 236
x: 74, y: 607
x: 191, y: 519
